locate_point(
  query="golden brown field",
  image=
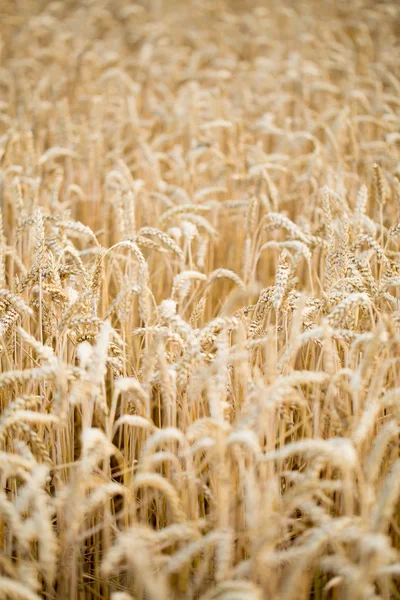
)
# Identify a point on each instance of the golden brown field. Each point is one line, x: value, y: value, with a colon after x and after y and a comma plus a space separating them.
x: 199, y: 300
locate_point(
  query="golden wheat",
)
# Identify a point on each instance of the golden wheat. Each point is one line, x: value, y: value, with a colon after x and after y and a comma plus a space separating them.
x: 199, y: 299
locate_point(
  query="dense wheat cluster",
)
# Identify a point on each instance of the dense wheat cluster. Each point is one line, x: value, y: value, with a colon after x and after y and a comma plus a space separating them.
x: 199, y: 300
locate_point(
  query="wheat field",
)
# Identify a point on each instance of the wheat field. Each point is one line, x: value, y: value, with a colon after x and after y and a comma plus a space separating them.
x: 199, y: 300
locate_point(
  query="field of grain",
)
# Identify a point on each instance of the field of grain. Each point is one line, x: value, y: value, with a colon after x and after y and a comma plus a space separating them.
x: 199, y: 300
